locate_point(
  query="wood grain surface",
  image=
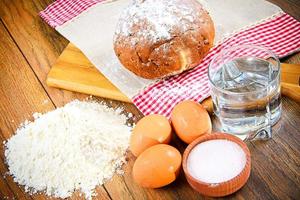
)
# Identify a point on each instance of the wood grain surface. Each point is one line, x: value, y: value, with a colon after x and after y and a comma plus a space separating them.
x: 29, y: 47
x: 73, y: 71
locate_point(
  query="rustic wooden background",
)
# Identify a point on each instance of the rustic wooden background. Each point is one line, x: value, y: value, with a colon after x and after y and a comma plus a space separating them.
x: 28, y: 48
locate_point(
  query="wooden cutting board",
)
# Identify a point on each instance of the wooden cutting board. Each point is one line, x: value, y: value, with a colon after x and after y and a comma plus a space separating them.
x: 74, y: 72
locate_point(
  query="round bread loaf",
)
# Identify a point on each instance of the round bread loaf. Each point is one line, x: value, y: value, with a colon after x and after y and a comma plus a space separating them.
x: 159, y: 38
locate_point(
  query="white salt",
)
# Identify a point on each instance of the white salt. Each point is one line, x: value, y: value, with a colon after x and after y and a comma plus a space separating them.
x: 216, y: 161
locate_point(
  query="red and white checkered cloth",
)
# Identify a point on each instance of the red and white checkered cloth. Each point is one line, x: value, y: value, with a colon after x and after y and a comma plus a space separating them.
x: 62, y: 11
x: 280, y: 34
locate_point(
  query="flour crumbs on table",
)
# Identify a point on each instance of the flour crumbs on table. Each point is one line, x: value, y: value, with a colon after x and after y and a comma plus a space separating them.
x: 75, y: 147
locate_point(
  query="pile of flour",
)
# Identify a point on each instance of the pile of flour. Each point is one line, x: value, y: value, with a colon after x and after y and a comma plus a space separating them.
x: 75, y: 147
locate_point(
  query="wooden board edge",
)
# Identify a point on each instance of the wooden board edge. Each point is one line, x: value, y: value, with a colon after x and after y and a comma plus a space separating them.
x: 85, y: 89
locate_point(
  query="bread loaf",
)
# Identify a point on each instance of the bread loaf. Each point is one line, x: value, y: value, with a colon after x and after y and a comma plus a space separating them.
x: 159, y: 38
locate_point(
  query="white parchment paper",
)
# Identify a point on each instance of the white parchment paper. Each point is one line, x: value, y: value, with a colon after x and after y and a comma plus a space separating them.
x: 92, y: 32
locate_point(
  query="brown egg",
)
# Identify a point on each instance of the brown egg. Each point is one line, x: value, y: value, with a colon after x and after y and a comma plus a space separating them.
x: 149, y: 131
x: 190, y: 120
x: 157, y: 166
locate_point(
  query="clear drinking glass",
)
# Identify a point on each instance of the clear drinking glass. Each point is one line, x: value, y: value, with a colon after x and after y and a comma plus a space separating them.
x: 245, y: 89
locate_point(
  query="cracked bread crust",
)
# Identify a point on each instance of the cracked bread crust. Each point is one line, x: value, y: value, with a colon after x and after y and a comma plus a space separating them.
x: 151, y: 48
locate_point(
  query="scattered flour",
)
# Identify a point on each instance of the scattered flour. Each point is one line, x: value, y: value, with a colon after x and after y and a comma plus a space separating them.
x: 75, y: 147
x: 216, y: 161
x: 157, y: 18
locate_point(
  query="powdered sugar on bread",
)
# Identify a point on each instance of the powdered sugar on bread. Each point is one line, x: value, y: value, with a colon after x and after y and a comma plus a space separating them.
x: 159, y: 38
x: 160, y: 17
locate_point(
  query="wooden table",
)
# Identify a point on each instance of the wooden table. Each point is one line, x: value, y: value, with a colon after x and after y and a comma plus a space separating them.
x: 28, y: 47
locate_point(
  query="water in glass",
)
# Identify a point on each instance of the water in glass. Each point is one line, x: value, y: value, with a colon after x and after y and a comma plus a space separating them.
x: 246, y: 96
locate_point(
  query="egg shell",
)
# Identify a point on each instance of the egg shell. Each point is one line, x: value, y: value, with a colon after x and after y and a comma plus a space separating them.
x: 157, y: 166
x: 190, y: 120
x: 150, y: 130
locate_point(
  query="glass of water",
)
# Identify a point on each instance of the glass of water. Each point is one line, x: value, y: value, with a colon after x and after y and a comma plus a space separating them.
x: 245, y: 89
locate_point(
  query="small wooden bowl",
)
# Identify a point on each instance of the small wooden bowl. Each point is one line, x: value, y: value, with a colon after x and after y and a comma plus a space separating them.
x: 223, y: 188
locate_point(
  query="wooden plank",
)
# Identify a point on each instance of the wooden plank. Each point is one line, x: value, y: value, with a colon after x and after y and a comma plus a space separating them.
x: 21, y: 94
x: 291, y: 7
x: 40, y: 44
x: 277, y: 161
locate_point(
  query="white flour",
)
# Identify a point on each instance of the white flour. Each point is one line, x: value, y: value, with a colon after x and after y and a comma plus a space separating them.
x: 158, y: 18
x: 76, y: 147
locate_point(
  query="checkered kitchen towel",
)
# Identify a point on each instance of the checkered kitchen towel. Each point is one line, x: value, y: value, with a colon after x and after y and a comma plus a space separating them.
x: 273, y: 29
